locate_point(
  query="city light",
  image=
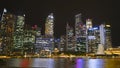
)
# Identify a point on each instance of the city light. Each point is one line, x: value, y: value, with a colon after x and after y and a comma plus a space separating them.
x: 107, y: 25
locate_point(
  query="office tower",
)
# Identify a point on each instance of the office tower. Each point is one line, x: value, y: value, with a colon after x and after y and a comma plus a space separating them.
x: 90, y: 35
x: 70, y: 40
x: 96, y: 38
x: 80, y: 34
x: 29, y: 39
x: 38, y: 38
x: 108, y: 42
x: 19, y: 35
x: 88, y: 23
x: 6, y: 33
x: 63, y: 43
x: 43, y: 44
x: 49, y: 26
x: 93, y: 39
x: 102, y: 34
x: 57, y: 43
x: 49, y: 31
x: 105, y: 35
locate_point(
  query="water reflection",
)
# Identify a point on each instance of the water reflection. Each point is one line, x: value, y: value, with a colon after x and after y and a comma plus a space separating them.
x: 43, y: 63
x: 112, y: 63
x: 60, y: 63
x: 95, y: 63
x: 79, y: 63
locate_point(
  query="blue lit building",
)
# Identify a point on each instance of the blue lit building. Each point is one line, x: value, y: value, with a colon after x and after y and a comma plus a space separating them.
x: 43, y: 44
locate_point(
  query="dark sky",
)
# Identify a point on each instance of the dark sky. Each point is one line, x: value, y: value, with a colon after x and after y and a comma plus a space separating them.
x: 64, y: 11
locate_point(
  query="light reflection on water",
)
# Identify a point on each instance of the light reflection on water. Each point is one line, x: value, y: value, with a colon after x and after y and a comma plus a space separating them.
x: 80, y: 63
x: 43, y: 63
x: 95, y: 63
x: 89, y: 63
x: 62, y: 63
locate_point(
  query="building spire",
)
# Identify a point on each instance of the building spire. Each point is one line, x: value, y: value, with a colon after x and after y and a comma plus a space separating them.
x: 4, y: 11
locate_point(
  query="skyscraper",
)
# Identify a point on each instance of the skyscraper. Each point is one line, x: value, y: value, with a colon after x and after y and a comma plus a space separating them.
x: 70, y: 40
x: 19, y: 34
x: 49, y: 33
x: 102, y: 34
x: 6, y: 31
x: 88, y: 23
x: 108, y: 39
x: 49, y: 26
x: 80, y: 34
x: 89, y: 33
x: 105, y: 35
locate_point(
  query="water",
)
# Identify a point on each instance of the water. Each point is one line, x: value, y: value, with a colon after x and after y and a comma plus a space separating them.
x: 60, y: 63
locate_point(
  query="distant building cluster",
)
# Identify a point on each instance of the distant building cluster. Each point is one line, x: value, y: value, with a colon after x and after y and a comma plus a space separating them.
x: 15, y: 36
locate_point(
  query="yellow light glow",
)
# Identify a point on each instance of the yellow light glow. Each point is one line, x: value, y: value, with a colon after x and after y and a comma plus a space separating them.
x: 107, y: 25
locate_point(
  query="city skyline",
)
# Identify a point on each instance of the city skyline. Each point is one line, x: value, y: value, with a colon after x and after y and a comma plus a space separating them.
x: 65, y: 11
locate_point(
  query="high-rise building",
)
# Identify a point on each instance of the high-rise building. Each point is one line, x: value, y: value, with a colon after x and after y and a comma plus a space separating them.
x: 102, y: 34
x: 19, y: 35
x: 105, y: 36
x: 108, y: 39
x: 43, y: 43
x: 6, y: 32
x: 57, y: 43
x: 93, y: 39
x: 46, y: 42
x: 90, y: 35
x: 63, y: 43
x: 88, y: 23
x: 70, y: 38
x: 49, y: 26
x: 80, y: 34
x: 29, y: 40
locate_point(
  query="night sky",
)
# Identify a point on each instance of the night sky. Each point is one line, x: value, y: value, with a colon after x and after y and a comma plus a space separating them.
x: 100, y: 11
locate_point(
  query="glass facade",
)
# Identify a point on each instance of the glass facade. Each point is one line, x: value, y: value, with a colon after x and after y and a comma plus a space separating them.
x: 49, y: 26
x: 19, y: 35
x: 70, y: 39
x: 6, y: 32
x: 80, y: 34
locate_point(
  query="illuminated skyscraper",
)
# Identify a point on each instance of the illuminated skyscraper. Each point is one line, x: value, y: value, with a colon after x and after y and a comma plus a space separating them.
x: 80, y: 34
x: 6, y: 31
x: 19, y: 34
x: 88, y: 23
x: 29, y: 40
x: 49, y: 33
x: 70, y: 39
x: 102, y: 34
x: 62, y: 43
x: 105, y: 36
x: 108, y: 39
x: 49, y: 26
x: 89, y: 33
